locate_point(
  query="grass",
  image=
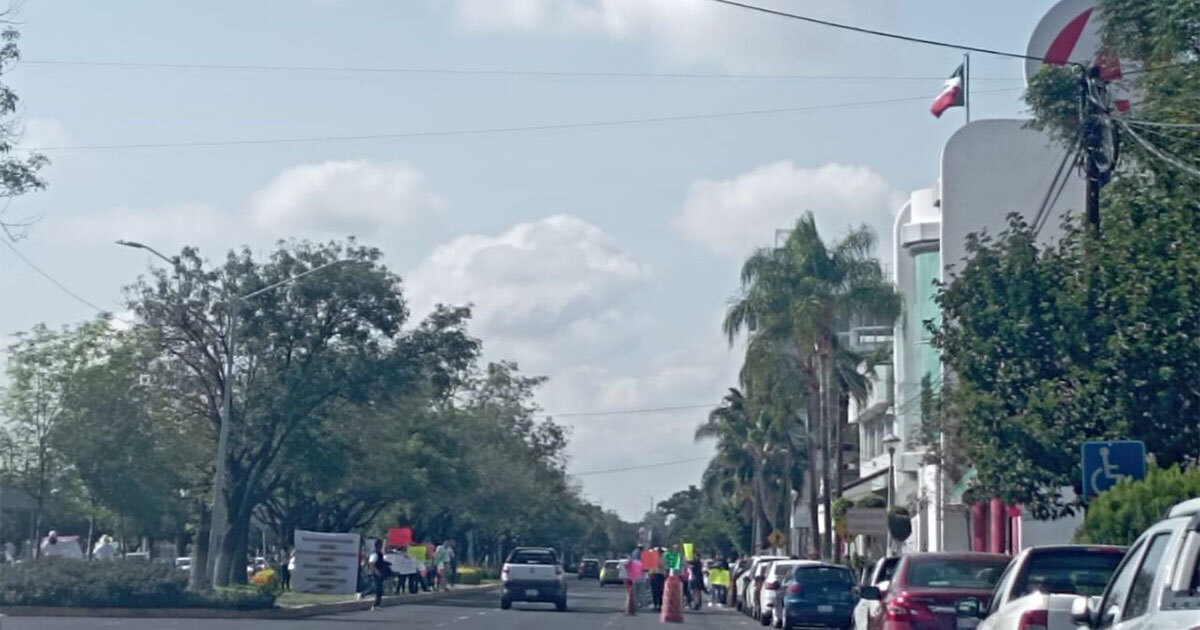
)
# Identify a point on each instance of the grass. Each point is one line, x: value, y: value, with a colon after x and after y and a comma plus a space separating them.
x: 291, y: 599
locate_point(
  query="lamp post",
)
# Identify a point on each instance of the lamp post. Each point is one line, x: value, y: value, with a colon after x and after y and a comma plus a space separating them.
x: 890, y: 441
x: 218, y: 524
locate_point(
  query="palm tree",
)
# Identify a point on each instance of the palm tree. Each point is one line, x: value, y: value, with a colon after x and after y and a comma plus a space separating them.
x: 748, y: 447
x: 793, y: 301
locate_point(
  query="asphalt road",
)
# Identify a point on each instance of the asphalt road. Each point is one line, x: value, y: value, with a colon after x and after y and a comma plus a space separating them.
x: 590, y: 608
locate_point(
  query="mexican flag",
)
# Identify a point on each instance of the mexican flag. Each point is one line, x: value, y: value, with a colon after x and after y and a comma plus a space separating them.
x: 952, y: 94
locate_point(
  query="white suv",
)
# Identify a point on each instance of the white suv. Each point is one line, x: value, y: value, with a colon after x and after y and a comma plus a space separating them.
x: 1157, y: 585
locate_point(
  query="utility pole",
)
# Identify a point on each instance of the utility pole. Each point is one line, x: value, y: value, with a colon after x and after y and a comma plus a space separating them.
x: 1099, y: 160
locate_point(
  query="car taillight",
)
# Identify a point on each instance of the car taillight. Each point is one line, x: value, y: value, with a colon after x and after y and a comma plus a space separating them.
x: 900, y: 609
x: 558, y: 570
x: 795, y: 589
x: 771, y: 586
x: 504, y: 572
x: 1034, y: 620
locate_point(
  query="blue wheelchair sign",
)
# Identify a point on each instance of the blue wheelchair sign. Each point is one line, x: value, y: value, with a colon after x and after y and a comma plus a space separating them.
x: 1106, y: 463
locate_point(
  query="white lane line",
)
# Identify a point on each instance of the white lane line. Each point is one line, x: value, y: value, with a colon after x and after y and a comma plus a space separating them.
x: 464, y: 617
x: 481, y: 613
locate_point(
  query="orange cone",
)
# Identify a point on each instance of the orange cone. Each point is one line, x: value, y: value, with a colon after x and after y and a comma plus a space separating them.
x: 672, y: 609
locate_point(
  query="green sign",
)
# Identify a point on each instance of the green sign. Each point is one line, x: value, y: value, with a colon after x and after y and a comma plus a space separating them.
x: 672, y: 560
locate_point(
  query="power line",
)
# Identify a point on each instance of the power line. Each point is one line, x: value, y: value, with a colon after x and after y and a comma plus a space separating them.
x: 55, y: 282
x: 641, y: 467
x: 484, y: 130
x: 868, y: 31
x: 475, y: 72
x: 628, y: 412
x: 1159, y: 153
x: 1168, y: 125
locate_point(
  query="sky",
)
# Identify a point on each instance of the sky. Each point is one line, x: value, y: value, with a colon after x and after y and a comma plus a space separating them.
x: 600, y: 256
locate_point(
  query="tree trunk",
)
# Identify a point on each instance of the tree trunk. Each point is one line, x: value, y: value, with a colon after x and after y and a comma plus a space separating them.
x: 839, y: 438
x: 826, y: 466
x: 199, y: 574
x: 812, y: 472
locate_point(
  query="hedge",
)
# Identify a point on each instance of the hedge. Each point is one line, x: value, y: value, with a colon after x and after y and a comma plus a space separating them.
x: 75, y: 583
x: 470, y: 575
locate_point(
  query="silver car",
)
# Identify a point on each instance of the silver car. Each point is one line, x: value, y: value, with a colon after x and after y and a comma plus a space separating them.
x: 1157, y: 585
x: 1040, y: 585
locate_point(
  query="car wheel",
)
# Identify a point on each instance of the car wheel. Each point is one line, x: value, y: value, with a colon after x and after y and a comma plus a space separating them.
x: 561, y: 605
x: 764, y: 619
x: 777, y: 619
x: 505, y: 602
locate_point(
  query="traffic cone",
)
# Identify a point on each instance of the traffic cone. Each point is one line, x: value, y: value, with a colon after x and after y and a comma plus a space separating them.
x: 672, y: 609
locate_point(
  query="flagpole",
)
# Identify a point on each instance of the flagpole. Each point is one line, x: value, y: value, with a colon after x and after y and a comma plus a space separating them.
x: 967, y: 84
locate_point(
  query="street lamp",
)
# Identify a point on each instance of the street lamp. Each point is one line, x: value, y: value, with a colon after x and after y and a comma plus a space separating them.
x: 890, y: 441
x: 219, y: 517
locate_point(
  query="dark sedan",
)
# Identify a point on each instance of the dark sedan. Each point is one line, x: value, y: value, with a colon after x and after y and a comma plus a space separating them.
x: 589, y: 568
x: 818, y: 595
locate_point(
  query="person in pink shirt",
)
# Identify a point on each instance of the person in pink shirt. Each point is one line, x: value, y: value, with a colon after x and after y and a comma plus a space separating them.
x: 633, y: 575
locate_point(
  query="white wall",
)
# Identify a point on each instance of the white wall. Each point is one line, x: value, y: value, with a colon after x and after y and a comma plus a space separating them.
x: 991, y: 168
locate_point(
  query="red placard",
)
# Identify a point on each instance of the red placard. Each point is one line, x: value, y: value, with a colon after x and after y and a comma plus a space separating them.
x: 399, y: 536
x: 650, y: 559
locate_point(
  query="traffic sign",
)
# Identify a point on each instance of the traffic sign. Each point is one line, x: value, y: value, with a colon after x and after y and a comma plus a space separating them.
x: 1106, y: 463
x: 866, y: 521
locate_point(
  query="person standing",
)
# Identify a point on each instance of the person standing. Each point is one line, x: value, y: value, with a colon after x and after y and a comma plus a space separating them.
x: 104, y: 549
x: 453, y: 566
x: 285, y: 571
x: 441, y: 564
x: 409, y: 572
x: 381, y: 569
x: 658, y: 580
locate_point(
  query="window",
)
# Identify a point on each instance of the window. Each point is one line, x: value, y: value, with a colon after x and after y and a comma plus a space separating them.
x: 1143, y: 580
x: 1079, y: 571
x: 1119, y: 587
x: 954, y: 572
x: 1001, y: 586
x: 887, y: 570
x: 533, y: 556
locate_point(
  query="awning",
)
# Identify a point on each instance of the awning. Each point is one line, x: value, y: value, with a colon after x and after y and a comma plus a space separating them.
x: 863, y: 486
x: 870, y: 413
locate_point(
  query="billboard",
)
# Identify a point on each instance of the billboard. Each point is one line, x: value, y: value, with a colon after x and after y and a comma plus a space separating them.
x: 325, y: 562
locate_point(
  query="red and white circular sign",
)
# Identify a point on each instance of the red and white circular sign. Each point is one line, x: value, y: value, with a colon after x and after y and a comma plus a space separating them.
x: 1070, y: 33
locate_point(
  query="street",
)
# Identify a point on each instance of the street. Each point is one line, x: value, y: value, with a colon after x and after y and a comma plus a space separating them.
x: 591, y: 608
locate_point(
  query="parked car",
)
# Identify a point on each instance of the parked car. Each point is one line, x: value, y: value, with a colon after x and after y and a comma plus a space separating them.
x: 754, y: 587
x: 877, y: 575
x: 1157, y: 584
x: 611, y: 573
x: 1041, y: 583
x: 747, y: 588
x: 772, y: 587
x: 817, y: 595
x: 927, y: 589
x: 532, y: 574
x: 589, y: 568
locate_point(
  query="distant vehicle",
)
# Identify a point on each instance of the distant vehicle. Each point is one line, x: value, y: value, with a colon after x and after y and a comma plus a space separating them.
x: 817, y: 595
x: 589, y: 568
x: 878, y: 576
x: 768, y: 613
x: 1157, y: 584
x: 533, y: 574
x: 927, y: 589
x: 757, y: 577
x: 744, y: 580
x: 183, y: 563
x: 1041, y: 583
x: 610, y: 573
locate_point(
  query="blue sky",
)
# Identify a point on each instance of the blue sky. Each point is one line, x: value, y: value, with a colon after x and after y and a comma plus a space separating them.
x: 600, y: 257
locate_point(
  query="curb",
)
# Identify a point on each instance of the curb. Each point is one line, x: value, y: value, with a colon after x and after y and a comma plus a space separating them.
x: 298, y: 612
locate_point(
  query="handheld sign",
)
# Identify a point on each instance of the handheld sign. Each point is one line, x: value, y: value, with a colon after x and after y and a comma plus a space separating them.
x: 650, y: 560
x: 399, y: 536
x: 672, y: 560
x: 688, y: 549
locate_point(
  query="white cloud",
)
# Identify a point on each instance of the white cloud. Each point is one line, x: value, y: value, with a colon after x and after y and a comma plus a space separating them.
x: 686, y: 31
x: 733, y: 216
x: 353, y: 197
x: 538, y: 288
x: 45, y: 132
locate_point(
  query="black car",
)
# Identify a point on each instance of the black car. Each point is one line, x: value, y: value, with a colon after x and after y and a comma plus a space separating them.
x: 818, y: 595
x: 589, y: 568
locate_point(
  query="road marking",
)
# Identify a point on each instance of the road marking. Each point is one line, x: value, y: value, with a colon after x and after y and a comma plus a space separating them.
x: 482, y: 613
x: 464, y: 617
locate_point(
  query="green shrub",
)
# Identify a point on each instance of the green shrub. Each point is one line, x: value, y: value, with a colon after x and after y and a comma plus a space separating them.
x: 1120, y: 514
x: 470, y: 575
x: 116, y: 584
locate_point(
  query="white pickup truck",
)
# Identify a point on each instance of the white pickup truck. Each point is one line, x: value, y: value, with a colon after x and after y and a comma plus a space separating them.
x: 1157, y: 585
x: 1037, y: 589
x: 533, y: 574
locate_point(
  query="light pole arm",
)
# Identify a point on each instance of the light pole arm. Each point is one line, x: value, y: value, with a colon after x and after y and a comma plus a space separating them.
x: 173, y: 261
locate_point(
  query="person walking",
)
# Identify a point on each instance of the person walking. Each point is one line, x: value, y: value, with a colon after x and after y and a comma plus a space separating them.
x: 696, y: 577
x: 441, y: 564
x: 409, y: 572
x: 381, y: 569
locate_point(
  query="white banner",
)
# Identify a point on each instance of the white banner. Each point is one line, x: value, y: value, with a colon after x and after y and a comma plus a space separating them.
x: 325, y: 563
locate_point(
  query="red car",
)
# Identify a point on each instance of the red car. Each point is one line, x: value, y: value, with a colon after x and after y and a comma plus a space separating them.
x: 927, y: 588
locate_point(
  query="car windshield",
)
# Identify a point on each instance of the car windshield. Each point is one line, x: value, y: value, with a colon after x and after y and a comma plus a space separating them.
x: 533, y: 556
x: 887, y: 570
x: 979, y: 573
x: 1068, y: 571
x: 817, y: 576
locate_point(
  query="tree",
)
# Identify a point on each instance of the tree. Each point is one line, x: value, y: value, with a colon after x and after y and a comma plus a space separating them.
x: 1098, y: 335
x: 1121, y: 513
x: 794, y: 301
x: 17, y: 175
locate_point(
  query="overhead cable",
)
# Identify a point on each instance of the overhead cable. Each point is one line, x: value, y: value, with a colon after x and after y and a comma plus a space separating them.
x: 885, y: 34
x: 639, y: 467
x: 1159, y: 153
x: 484, y: 130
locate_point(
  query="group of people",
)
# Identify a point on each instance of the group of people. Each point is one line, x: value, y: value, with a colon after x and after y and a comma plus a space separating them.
x: 438, y: 572
x: 638, y: 579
